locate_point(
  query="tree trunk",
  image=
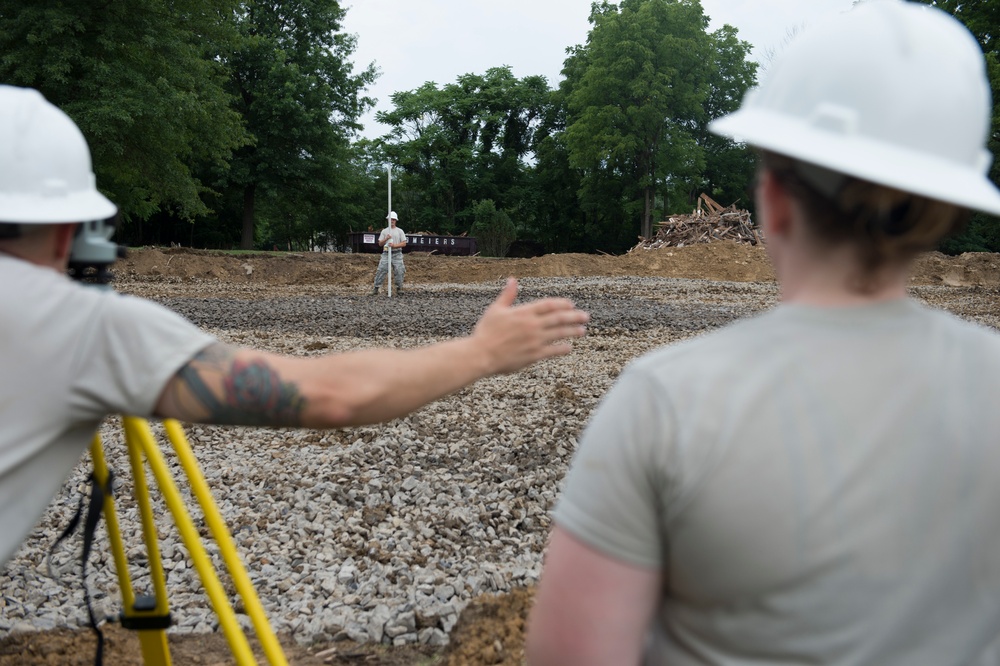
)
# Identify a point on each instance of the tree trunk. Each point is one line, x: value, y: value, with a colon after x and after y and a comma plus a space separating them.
x: 246, y: 241
x: 647, y: 216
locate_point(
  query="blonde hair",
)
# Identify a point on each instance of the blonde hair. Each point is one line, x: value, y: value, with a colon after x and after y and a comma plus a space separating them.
x: 886, y: 226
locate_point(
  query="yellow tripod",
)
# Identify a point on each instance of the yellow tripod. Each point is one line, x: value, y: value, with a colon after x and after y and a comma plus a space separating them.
x: 150, y: 614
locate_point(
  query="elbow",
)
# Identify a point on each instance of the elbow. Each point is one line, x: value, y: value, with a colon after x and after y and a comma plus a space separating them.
x: 332, y: 411
x: 344, y: 409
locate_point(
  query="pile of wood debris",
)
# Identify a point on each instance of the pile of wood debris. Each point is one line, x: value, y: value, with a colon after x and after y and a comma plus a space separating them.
x: 706, y: 223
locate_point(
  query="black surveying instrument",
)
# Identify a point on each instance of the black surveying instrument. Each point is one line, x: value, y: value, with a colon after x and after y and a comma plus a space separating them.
x: 93, y: 252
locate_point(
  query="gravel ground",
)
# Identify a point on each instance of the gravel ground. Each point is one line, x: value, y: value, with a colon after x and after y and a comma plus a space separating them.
x: 385, y: 533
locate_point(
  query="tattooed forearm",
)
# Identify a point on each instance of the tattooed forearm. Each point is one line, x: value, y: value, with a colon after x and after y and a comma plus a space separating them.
x: 234, y: 391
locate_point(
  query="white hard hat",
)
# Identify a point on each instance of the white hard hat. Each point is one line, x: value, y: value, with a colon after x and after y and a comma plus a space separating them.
x: 891, y: 92
x: 45, y: 167
x: 391, y: 216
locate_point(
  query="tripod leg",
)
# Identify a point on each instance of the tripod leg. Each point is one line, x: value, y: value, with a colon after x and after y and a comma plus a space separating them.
x: 238, y: 644
x: 150, y: 616
x: 217, y: 526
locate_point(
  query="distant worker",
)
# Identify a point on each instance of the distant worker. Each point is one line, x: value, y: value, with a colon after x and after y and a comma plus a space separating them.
x: 819, y: 484
x: 72, y: 354
x: 395, y: 238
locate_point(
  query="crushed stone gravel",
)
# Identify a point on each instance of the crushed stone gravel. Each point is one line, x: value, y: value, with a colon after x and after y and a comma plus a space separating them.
x: 383, y: 533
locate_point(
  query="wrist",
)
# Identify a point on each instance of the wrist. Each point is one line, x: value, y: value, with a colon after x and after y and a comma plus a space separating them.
x: 477, y: 356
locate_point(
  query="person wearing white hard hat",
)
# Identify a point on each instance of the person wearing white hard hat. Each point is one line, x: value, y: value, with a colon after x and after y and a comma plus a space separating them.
x: 72, y: 354
x: 818, y: 484
x: 392, y: 240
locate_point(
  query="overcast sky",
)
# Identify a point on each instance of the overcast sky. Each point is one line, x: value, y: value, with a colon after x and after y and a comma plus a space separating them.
x: 412, y: 42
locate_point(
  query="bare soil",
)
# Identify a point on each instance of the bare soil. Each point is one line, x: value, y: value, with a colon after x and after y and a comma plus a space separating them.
x: 490, y: 630
x: 724, y: 261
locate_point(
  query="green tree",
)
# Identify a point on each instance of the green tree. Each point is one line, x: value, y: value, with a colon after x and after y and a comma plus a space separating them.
x: 431, y: 142
x: 632, y: 106
x: 493, y: 229
x: 639, y: 95
x: 729, y: 167
x: 560, y: 223
x: 143, y: 81
x: 295, y: 88
x: 466, y: 141
x: 356, y: 203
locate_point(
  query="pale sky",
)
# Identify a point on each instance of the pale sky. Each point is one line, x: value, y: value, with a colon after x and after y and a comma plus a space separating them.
x: 413, y: 42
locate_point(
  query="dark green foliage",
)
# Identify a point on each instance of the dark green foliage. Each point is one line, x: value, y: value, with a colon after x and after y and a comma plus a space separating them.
x: 493, y: 229
x: 205, y: 117
x: 981, y: 235
x: 293, y: 85
x: 218, y: 123
x: 729, y: 167
x: 142, y: 80
x: 466, y: 141
x: 638, y: 98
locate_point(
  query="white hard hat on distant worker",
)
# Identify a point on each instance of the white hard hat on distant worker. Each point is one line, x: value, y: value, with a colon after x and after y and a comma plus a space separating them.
x: 45, y: 168
x: 892, y: 92
x: 392, y: 216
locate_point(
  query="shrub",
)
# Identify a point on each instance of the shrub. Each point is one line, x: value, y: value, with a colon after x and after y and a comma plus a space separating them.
x: 493, y: 229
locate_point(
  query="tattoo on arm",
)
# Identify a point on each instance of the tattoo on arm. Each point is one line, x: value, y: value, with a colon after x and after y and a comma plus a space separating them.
x: 239, y: 392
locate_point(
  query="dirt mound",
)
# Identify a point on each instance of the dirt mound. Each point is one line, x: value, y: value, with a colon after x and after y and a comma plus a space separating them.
x: 77, y: 647
x: 720, y: 260
x: 724, y: 260
x: 972, y: 269
x: 491, y: 630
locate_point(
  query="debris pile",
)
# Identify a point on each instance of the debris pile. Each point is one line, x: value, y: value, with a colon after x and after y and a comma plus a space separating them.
x: 706, y: 223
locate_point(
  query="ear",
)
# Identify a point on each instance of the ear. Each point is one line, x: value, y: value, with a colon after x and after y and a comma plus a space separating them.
x: 774, y: 205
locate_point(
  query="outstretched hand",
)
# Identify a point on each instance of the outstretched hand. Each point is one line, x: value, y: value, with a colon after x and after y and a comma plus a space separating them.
x: 515, y: 336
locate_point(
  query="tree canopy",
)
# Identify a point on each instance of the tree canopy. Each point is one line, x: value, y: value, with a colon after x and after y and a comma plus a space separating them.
x: 293, y: 85
x: 639, y: 95
x: 225, y: 123
x: 466, y: 141
x: 143, y: 81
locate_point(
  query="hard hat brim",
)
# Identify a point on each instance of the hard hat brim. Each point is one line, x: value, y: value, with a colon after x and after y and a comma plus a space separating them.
x: 863, y: 157
x: 72, y: 207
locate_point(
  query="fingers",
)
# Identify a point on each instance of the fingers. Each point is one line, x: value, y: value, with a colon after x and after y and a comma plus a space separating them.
x: 519, y: 335
x: 507, y: 295
x: 548, y: 305
x: 565, y: 330
x: 559, y: 318
x: 548, y: 351
x: 554, y: 323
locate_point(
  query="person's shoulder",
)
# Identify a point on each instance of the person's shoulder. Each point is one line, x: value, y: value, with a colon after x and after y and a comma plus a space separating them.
x: 965, y: 330
x: 725, y: 347
x: 32, y: 284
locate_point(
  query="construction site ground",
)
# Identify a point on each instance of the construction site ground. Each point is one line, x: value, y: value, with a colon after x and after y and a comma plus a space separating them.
x: 713, y: 282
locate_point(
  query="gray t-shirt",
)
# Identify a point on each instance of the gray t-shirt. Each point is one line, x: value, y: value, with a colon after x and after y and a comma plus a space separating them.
x: 71, y: 354
x: 395, y: 235
x: 818, y: 485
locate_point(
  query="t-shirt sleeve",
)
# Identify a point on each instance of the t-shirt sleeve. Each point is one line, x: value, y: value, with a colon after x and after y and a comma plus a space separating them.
x: 614, y: 491
x: 133, y: 347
